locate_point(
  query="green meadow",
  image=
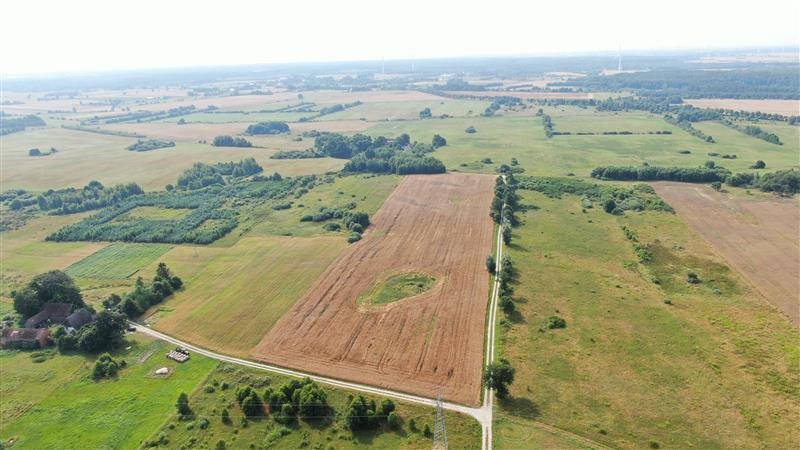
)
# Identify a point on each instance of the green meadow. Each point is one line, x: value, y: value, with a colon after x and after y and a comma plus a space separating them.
x: 646, y: 359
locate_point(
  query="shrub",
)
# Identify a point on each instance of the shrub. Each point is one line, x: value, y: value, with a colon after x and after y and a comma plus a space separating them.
x: 353, y: 237
x: 470, y: 129
x: 554, y: 322
x: 491, y: 265
x: 393, y: 420
x: 692, y: 278
x: 105, y: 367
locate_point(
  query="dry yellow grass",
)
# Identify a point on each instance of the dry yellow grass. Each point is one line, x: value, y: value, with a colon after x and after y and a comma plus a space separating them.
x: 234, y: 295
x: 84, y: 156
x: 785, y: 107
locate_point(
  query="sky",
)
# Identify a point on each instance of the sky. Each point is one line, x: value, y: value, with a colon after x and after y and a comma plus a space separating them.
x: 87, y: 35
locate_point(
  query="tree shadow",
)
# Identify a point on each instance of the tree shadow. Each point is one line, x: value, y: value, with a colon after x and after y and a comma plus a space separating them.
x: 520, y: 407
x: 516, y: 317
x: 516, y: 247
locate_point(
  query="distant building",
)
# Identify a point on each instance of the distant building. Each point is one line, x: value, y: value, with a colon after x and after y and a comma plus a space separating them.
x: 24, y: 338
x: 51, y: 313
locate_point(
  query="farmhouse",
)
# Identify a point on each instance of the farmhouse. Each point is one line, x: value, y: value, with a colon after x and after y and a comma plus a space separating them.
x: 25, y: 338
x: 78, y: 319
x: 50, y: 314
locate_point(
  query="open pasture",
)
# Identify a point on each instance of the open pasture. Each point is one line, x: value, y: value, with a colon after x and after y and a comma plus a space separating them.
x: 43, y: 399
x: 417, y: 344
x: 409, y: 110
x: 759, y: 237
x: 525, y: 95
x: 646, y: 359
x: 233, y: 295
x: 522, y: 137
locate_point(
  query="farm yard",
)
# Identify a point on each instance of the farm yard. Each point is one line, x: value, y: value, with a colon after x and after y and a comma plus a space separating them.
x: 416, y: 344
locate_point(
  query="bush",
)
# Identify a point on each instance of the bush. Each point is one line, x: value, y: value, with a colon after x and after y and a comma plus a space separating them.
x: 105, y: 367
x: 554, y: 322
x: 470, y: 129
x: 491, y: 265
x: 353, y: 237
x: 393, y: 420
x: 692, y: 278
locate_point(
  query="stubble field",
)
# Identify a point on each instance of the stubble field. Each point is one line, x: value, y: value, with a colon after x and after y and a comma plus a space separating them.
x: 432, y: 224
x: 759, y: 237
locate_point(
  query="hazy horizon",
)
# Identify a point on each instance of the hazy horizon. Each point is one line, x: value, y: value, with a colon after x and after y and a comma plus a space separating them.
x: 101, y: 37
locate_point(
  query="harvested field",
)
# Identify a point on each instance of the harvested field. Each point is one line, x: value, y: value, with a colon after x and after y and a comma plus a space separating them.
x: 526, y: 95
x: 759, y: 237
x: 785, y: 107
x: 432, y: 224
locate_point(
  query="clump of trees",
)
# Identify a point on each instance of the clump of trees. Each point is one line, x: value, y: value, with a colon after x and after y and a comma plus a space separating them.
x: 500, y: 102
x: 271, y: 127
x: 106, y: 367
x: 201, y: 175
x: 363, y: 414
x: 498, y: 376
x: 297, y: 154
x: 16, y: 124
x: 785, y: 182
x: 653, y: 173
x: 37, y: 152
x: 230, y: 141
x: 149, y: 144
x: 379, y: 155
x: 295, y: 399
x: 438, y: 141
x: 104, y: 333
x: 354, y: 221
x: 54, y: 286
x: 144, y: 295
x: 92, y: 196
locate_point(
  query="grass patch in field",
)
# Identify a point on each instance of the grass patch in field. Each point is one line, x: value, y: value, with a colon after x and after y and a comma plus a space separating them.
x: 233, y: 295
x: 640, y: 339
x: 153, y: 213
x: 397, y: 287
x: 56, y: 404
x: 117, y: 261
x: 209, y: 399
x: 368, y: 192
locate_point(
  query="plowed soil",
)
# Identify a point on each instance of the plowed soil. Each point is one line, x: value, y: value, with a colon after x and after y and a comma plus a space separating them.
x: 433, y: 224
x: 759, y: 237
